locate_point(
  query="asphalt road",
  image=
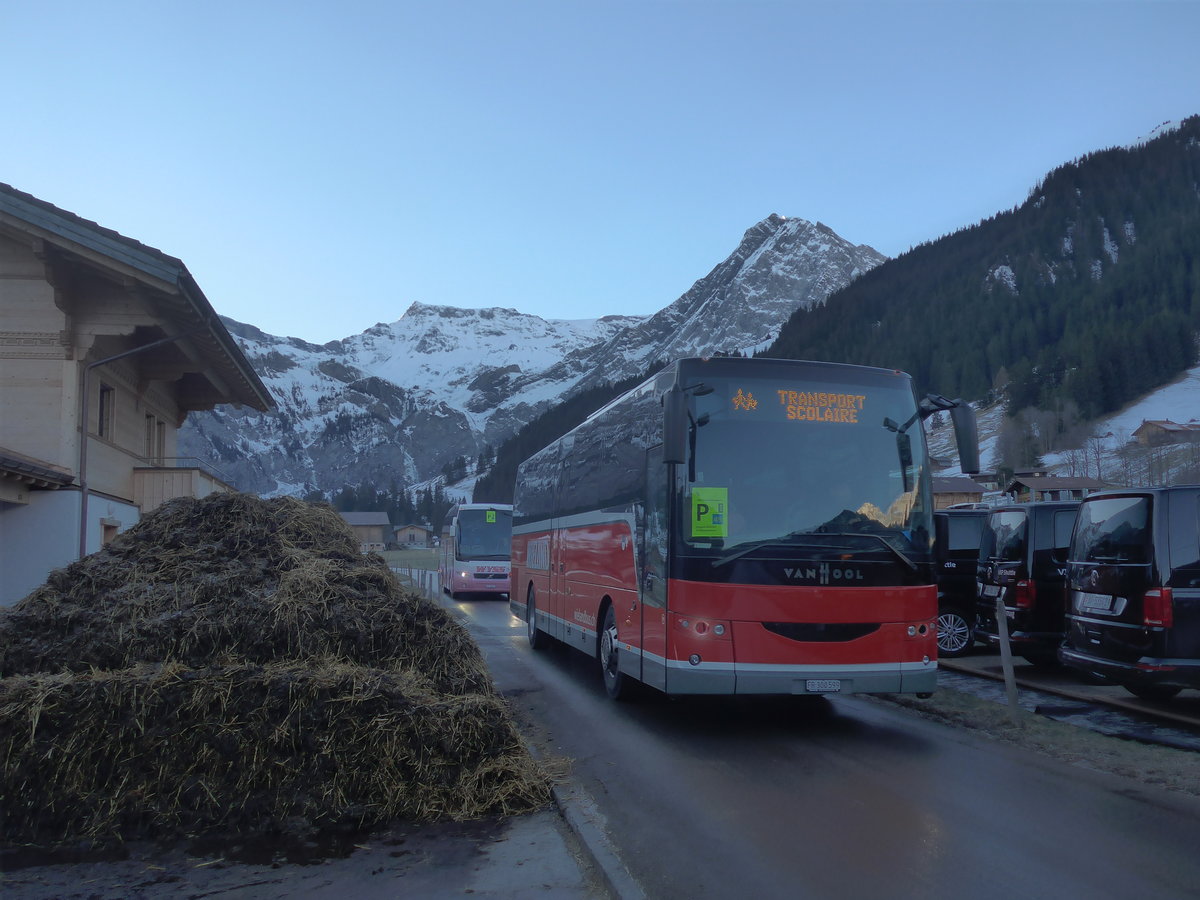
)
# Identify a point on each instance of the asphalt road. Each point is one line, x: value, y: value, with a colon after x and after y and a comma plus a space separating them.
x: 842, y: 797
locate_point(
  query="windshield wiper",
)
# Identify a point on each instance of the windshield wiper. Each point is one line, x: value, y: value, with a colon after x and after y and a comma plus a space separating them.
x: 777, y: 542
x: 1117, y: 558
x: 879, y: 537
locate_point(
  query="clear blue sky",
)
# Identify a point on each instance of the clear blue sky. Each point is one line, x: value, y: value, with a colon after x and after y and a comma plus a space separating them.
x: 320, y: 166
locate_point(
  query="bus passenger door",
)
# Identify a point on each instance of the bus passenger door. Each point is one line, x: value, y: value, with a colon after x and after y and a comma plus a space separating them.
x: 653, y: 577
x: 555, y: 605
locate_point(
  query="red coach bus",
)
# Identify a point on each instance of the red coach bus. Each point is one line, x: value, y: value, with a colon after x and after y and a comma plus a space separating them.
x: 741, y: 526
x: 475, y: 546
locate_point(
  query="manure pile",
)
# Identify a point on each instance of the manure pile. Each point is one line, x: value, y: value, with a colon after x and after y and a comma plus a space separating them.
x: 236, y: 663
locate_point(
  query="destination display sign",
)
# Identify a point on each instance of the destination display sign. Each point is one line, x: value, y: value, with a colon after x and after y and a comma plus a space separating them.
x: 803, y: 406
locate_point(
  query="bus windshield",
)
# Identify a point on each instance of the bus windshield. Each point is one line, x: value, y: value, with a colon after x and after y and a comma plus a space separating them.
x: 483, y: 534
x: 806, y: 463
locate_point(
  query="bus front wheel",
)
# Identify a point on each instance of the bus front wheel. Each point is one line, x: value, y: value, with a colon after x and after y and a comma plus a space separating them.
x: 537, y: 639
x: 616, y: 683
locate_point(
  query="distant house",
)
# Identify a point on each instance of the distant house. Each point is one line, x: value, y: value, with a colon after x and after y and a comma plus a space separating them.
x: 413, y: 536
x: 373, y: 529
x: 1029, y: 488
x: 1156, y: 432
x: 106, y: 345
x: 951, y: 490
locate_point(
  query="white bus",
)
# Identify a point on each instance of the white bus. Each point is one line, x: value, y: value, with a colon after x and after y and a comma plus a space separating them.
x: 476, y: 549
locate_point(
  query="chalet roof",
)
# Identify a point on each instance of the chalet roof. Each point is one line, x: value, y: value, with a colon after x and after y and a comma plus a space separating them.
x: 367, y: 518
x: 956, y: 484
x: 413, y: 526
x: 1167, y: 425
x: 1054, y: 483
x: 167, y: 284
x: 18, y: 467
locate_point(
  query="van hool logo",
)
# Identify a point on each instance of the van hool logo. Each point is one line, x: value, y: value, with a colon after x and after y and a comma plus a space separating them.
x: 823, y: 573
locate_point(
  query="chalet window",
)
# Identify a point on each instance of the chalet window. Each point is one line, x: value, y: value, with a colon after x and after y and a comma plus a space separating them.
x: 155, y: 440
x: 105, y: 417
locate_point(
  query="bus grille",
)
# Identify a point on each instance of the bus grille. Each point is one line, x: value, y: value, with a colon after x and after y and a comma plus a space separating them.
x: 821, y: 632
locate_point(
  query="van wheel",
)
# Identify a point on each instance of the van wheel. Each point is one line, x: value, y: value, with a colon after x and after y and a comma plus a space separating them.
x: 1152, y: 691
x: 616, y: 683
x: 537, y: 638
x: 1046, y: 660
x: 954, y: 636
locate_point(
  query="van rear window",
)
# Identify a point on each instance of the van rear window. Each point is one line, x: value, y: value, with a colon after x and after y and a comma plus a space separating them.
x: 1004, y: 538
x: 1113, y: 530
x: 964, y: 532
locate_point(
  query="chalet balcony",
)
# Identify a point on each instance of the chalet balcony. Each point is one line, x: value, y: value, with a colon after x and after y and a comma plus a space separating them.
x: 157, y: 481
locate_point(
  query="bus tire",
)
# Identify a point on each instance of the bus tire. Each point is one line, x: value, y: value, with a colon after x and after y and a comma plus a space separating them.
x: 537, y: 638
x: 616, y: 683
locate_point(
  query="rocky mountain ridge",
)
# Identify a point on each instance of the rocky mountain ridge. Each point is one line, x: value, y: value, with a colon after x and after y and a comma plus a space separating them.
x: 398, y: 402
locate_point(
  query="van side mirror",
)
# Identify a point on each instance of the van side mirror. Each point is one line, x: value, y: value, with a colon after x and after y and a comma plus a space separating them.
x: 675, y: 425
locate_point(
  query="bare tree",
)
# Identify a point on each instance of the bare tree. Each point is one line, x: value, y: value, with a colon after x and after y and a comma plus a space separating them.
x: 1191, y: 468
x: 1095, y: 446
x: 1077, y: 462
x: 1123, y: 449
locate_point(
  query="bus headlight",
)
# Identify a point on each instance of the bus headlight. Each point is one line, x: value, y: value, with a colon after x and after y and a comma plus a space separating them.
x: 702, y: 628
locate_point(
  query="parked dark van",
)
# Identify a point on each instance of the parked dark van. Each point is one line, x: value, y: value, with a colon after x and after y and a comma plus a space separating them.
x: 1023, y: 559
x: 1134, y: 590
x: 957, y: 536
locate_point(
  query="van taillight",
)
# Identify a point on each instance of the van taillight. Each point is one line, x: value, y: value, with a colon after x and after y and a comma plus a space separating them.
x: 1024, y: 594
x: 1157, y: 611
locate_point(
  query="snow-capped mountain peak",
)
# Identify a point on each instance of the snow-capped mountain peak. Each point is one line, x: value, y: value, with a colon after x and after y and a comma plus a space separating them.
x: 400, y: 400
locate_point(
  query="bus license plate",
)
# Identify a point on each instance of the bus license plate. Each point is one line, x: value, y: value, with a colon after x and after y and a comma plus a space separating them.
x: 822, y: 685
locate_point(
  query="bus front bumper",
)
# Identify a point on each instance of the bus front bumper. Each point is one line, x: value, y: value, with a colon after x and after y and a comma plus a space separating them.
x: 750, y: 679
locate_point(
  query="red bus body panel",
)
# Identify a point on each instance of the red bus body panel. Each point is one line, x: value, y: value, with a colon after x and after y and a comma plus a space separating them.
x: 712, y: 638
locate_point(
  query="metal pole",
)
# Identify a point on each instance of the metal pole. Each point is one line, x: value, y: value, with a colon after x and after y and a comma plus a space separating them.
x: 1010, y: 682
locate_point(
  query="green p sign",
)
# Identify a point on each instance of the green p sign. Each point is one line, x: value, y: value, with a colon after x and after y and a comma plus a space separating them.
x: 710, y: 512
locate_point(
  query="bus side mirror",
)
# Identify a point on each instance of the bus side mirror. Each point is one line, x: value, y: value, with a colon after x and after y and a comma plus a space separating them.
x: 904, y: 451
x: 674, y: 426
x: 966, y: 435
